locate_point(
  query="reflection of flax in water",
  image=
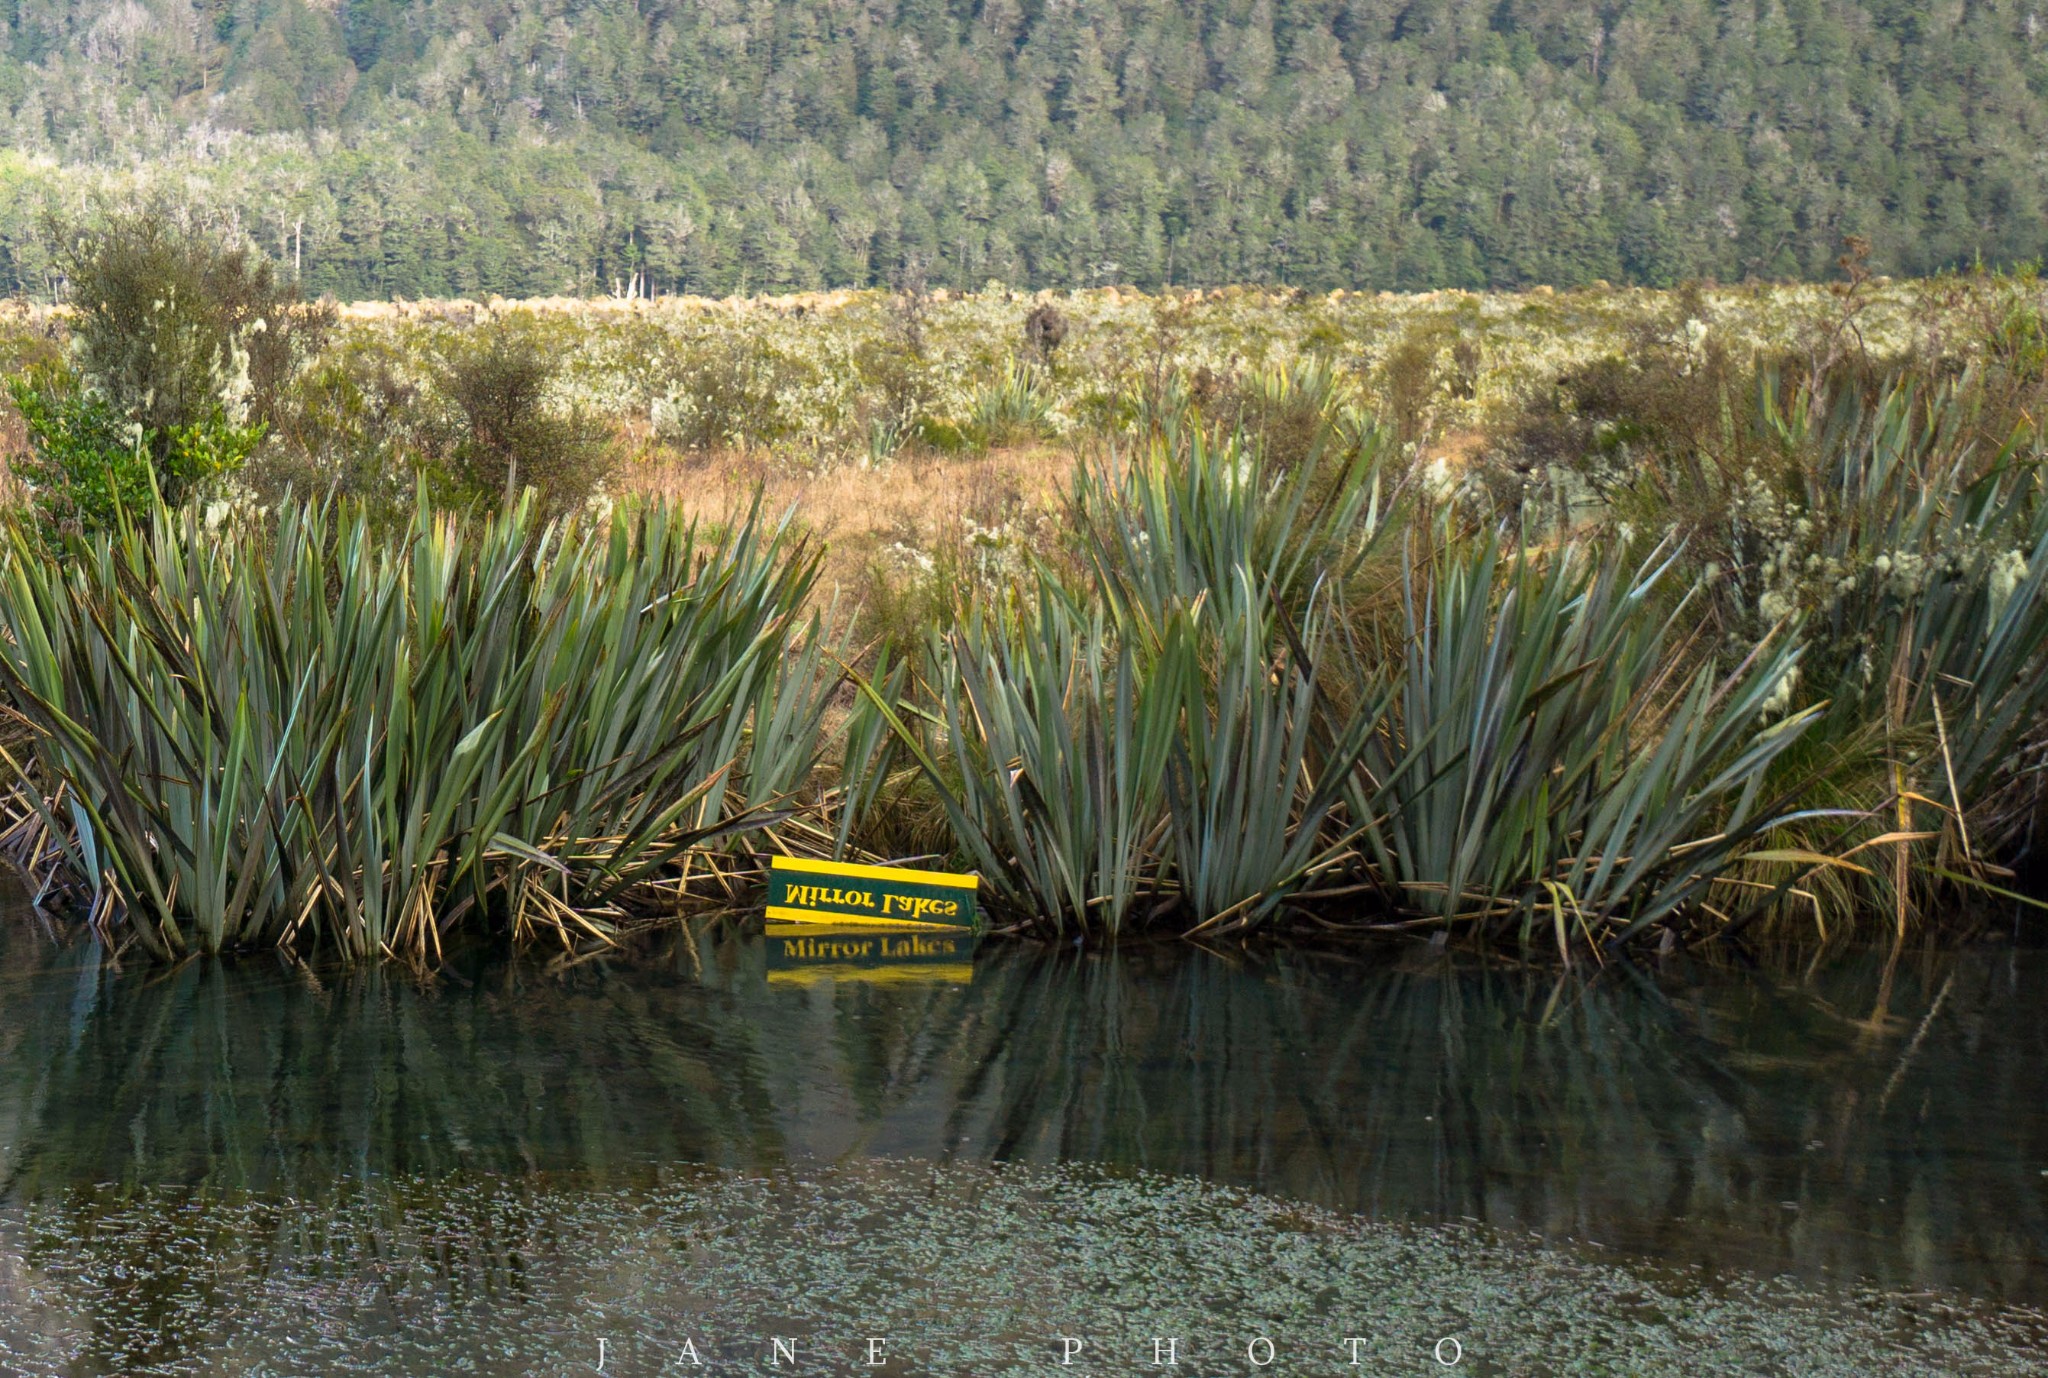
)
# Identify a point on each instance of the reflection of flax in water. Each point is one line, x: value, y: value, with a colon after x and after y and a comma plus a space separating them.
x: 1675, y: 1120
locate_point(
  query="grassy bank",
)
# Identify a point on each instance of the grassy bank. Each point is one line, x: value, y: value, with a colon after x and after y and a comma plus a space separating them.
x: 1556, y: 622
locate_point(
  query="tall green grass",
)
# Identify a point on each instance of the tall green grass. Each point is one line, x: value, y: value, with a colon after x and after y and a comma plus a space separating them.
x: 1904, y: 547
x: 326, y: 736
x: 1060, y: 732
x: 1554, y: 756
x: 1150, y: 738
x: 1228, y: 697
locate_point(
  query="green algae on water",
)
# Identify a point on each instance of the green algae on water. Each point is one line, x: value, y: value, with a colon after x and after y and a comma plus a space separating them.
x: 960, y: 1270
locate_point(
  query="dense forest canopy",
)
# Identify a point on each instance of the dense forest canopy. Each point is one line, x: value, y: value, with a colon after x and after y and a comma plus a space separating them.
x: 525, y: 147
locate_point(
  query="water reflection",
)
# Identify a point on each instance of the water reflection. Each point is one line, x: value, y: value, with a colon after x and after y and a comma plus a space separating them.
x: 1862, y: 1120
x: 806, y: 953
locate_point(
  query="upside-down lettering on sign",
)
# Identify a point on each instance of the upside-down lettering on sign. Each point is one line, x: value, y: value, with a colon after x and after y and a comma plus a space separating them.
x: 838, y: 892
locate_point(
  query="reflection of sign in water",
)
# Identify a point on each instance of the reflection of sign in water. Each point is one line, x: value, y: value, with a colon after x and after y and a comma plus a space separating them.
x: 838, y: 892
x: 808, y: 951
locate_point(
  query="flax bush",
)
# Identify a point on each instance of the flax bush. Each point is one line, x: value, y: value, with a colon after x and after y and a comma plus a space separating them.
x: 334, y: 737
x: 1724, y: 618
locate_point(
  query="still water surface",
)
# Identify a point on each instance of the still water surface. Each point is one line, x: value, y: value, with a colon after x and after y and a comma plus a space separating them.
x: 257, y: 1168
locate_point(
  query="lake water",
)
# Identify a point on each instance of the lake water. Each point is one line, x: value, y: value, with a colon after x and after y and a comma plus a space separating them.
x: 1395, y: 1156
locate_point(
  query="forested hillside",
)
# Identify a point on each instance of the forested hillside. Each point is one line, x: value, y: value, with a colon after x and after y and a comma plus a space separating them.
x: 535, y: 146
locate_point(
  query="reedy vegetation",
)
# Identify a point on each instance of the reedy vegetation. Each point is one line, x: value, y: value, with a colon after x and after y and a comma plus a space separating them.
x: 331, y: 735
x: 1280, y: 665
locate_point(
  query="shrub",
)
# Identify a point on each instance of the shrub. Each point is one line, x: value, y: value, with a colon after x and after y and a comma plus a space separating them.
x: 183, y: 344
x: 723, y: 396
x: 1045, y: 330
x: 512, y: 433
x: 178, y: 327
x: 355, y: 424
x: 87, y: 462
x: 1431, y: 364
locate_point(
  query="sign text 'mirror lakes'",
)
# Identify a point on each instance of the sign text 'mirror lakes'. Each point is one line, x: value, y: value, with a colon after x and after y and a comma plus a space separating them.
x: 878, y: 946
x: 878, y: 902
x: 812, y: 890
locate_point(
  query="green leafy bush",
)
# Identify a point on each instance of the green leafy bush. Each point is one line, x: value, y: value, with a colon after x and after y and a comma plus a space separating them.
x: 87, y: 462
x: 183, y: 344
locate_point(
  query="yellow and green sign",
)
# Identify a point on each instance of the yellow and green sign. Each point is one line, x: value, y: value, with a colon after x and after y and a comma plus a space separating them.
x: 838, y: 892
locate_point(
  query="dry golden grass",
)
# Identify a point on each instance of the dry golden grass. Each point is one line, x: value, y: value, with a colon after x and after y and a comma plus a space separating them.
x: 920, y: 502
